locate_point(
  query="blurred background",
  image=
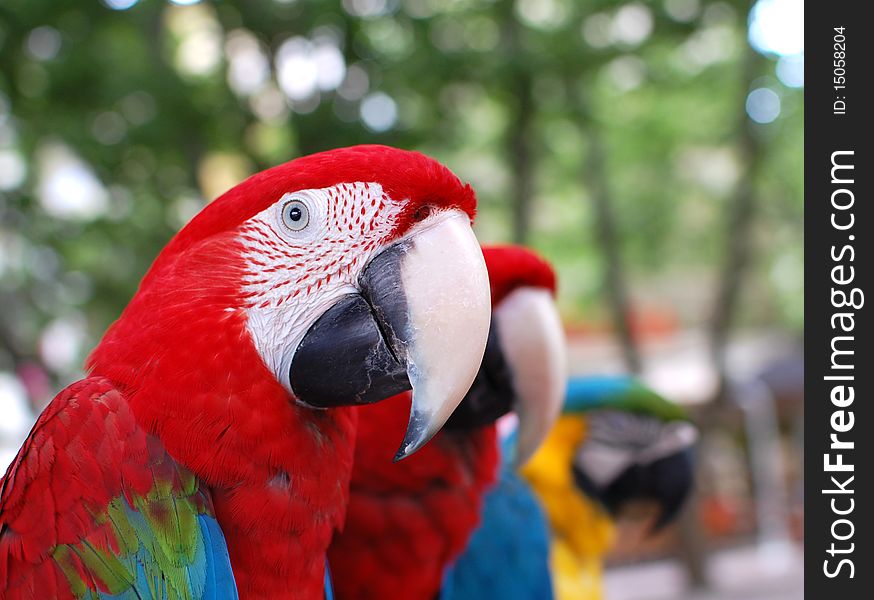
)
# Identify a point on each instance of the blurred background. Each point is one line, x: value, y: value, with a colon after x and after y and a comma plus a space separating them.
x: 652, y: 150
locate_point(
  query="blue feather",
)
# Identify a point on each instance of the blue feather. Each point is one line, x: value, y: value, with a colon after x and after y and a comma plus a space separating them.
x: 329, y: 586
x: 220, y: 582
x: 508, y: 555
x: 591, y: 393
x: 210, y: 576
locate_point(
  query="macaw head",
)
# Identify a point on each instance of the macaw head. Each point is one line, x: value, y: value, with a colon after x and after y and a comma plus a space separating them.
x: 637, y: 446
x: 616, y: 441
x: 343, y: 278
x: 523, y: 369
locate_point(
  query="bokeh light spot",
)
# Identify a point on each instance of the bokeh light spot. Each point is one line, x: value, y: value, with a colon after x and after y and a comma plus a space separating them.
x: 596, y: 30
x: 43, y: 43
x: 369, y: 8
x: 13, y: 400
x: 379, y: 112
x: 296, y: 72
x: 138, y: 107
x: 108, y: 128
x: 626, y: 72
x: 777, y: 27
x: 199, y: 38
x: 790, y: 70
x: 120, y: 4
x: 218, y: 172
x: 68, y: 187
x: 632, y: 24
x: 269, y: 104
x: 763, y: 105
x: 355, y: 85
x: 330, y: 66
x: 61, y: 342
x: 682, y: 11
x: 542, y: 14
x: 13, y: 169
x: 248, y: 65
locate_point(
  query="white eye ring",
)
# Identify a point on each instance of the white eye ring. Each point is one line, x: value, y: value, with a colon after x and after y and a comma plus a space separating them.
x: 295, y: 215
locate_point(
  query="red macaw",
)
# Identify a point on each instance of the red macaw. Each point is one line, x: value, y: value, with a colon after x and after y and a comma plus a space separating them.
x: 407, y: 521
x: 214, y: 428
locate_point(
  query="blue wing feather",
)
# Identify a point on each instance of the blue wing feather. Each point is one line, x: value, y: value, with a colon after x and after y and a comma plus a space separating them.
x: 219, y: 575
x: 209, y: 575
x: 329, y: 586
x: 508, y: 555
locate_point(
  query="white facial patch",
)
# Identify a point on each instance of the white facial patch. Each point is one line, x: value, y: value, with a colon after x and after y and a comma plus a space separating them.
x: 616, y: 440
x: 295, y: 274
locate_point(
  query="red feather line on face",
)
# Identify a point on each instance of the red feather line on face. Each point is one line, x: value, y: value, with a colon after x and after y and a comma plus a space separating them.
x: 341, y: 250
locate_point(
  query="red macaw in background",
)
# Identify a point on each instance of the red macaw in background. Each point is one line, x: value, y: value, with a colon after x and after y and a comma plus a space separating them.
x: 407, y: 521
x: 199, y: 441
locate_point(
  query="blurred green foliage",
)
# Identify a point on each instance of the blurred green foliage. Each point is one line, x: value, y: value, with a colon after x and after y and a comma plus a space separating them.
x: 167, y: 105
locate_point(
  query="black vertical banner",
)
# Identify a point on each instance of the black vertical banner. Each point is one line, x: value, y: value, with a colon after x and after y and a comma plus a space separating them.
x: 839, y: 421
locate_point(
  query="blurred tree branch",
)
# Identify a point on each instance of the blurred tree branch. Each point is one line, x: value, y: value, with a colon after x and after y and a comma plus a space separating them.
x: 742, y: 212
x: 596, y: 178
x: 740, y: 217
x: 520, y: 142
x: 520, y: 137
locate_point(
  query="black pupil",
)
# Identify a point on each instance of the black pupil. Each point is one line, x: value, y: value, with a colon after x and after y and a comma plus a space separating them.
x: 295, y: 214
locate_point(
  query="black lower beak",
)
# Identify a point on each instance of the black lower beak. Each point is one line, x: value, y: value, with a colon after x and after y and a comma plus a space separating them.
x: 671, y: 479
x: 350, y: 355
x: 492, y: 394
x: 666, y: 481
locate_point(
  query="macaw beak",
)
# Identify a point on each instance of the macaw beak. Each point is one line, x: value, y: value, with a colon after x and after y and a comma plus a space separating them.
x: 536, y: 350
x: 671, y: 479
x: 419, y: 321
x: 523, y: 370
x: 662, y: 473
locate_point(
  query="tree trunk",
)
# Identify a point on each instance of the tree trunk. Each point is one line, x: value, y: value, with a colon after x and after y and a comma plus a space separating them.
x: 741, y: 215
x: 596, y: 179
x: 520, y: 137
x: 520, y: 142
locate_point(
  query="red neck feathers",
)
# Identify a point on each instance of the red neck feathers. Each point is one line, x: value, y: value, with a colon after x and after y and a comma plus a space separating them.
x: 407, y: 521
x: 279, y: 473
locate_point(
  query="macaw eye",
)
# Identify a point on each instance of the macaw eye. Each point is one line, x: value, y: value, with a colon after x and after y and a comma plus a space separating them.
x: 295, y: 215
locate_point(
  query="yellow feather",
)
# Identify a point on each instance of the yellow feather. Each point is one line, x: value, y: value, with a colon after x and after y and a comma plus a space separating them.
x: 582, y: 531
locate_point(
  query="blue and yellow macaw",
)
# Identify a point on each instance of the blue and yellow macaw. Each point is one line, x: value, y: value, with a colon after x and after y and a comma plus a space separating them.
x: 616, y: 441
x: 544, y: 533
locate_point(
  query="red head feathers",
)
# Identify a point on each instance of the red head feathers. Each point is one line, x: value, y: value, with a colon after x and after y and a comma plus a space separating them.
x: 512, y: 267
x: 402, y: 174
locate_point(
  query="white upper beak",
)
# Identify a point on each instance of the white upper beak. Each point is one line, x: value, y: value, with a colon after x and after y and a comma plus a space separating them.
x: 447, y: 293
